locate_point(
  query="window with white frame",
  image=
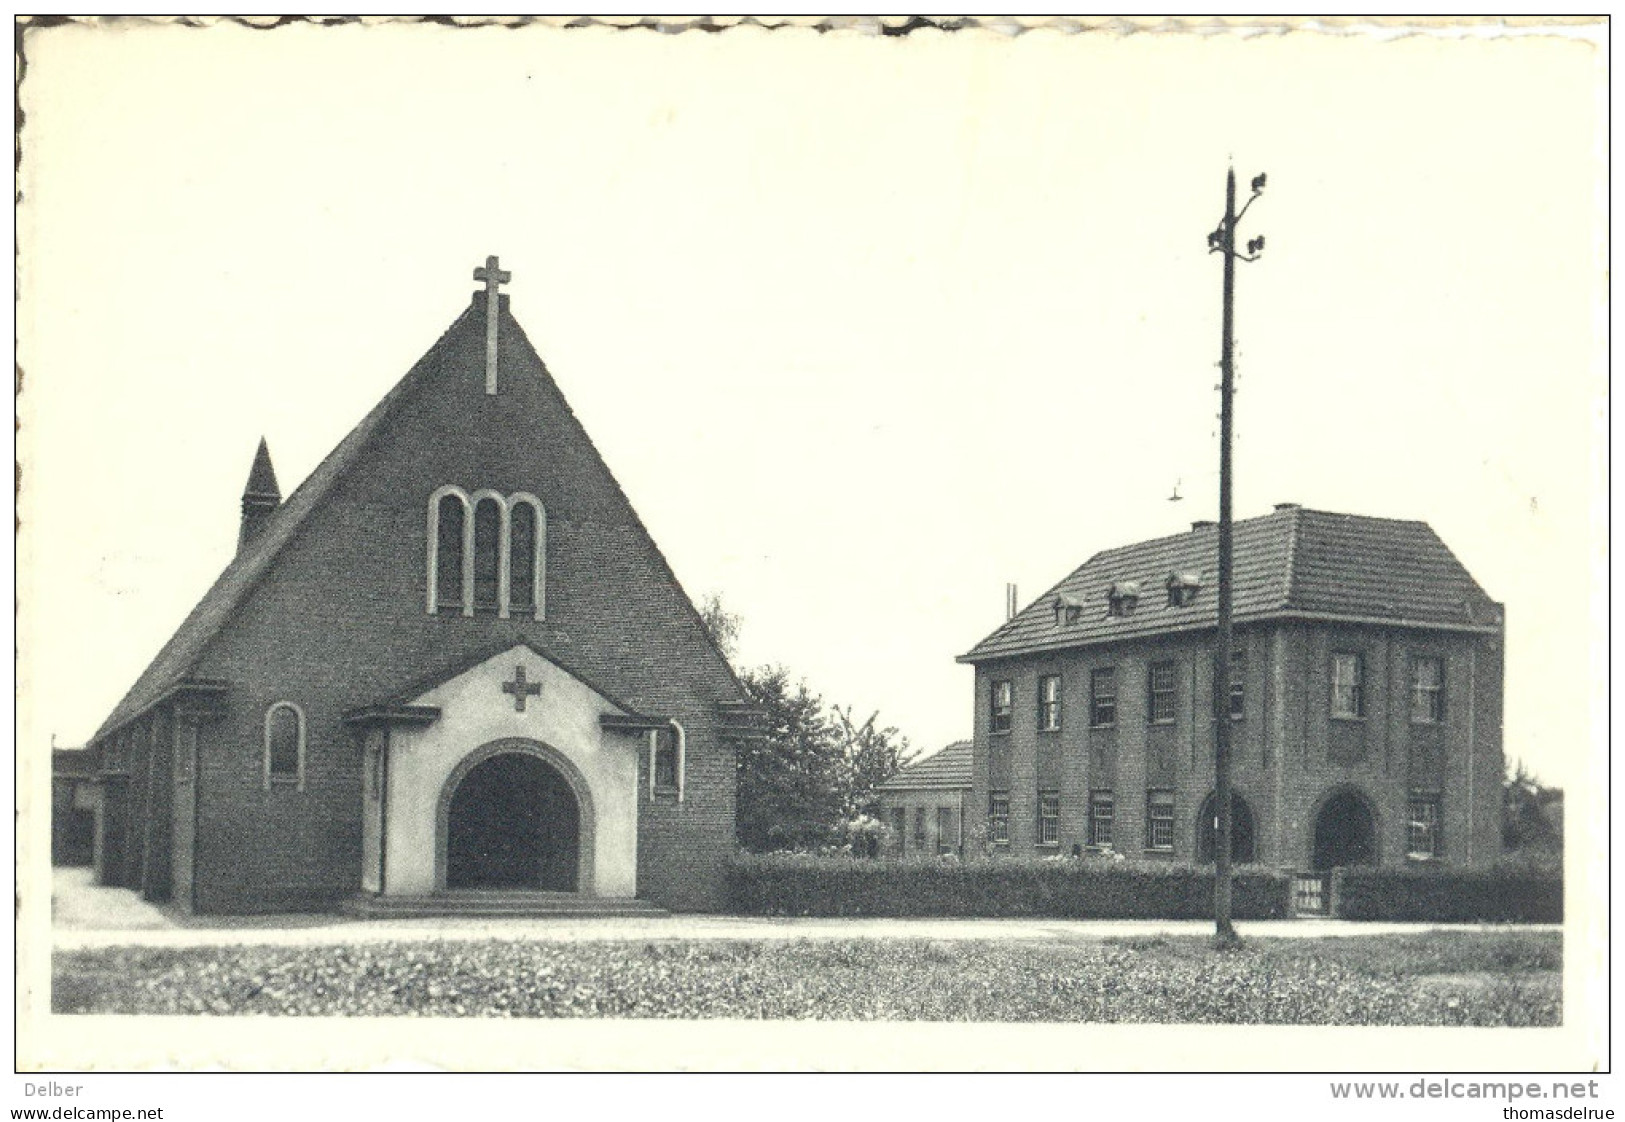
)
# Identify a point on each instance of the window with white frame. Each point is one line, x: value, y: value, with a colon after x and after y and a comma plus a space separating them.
x: 1049, y: 818
x: 1238, y: 684
x: 1102, y: 812
x: 487, y: 553
x: 998, y: 817
x: 1422, y: 831
x: 666, y: 751
x: 1003, y: 705
x: 285, y: 744
x: 1103, y: 697
x: 1163, y: 691
x: 1159, y: 819
x: 1049, y: 703
x: 1427, y: 690
x: 1348, y: 686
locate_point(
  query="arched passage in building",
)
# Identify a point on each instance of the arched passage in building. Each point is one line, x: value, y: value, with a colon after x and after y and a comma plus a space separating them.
x: 1242, y: 833
x: 1345, y: 832
x: 515, y: 823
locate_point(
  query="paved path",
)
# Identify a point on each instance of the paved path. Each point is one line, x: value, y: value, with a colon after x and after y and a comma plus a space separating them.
x: 88, y: 916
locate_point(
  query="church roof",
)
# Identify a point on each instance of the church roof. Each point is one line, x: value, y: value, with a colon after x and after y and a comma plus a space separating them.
x: 177, y: 658
x: 1291, y: 563
x: 948, y: 769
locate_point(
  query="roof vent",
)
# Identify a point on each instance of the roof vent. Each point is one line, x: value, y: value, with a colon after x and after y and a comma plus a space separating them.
x: 1288, y: 506
x: 1203, y: 524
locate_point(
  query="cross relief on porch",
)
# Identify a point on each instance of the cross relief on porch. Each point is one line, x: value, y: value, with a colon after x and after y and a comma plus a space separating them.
x: 520, y: 688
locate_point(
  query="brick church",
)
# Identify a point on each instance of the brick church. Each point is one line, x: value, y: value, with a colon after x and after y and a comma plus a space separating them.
x: 1364, y: 699
x: 451, y: 665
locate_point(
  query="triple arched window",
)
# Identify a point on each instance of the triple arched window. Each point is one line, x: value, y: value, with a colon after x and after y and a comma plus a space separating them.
x: 487, y: 554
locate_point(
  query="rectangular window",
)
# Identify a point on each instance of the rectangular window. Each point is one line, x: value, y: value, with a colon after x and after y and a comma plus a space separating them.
x: 998, y: 817
x: 1101, y: 812
x: 1103, y: 698
x: 1159, y: 820
x: 1049, y: 818
x: 899, y: 826
x: 1003, y: 706
x: 1348, y: 686
x: 1427, y: 691
x: 947, y: 830
x: 1049, y: 703
x: 1422, y: 832
x: 1238, y: 685
x: 919, y: 827
x: 1163, y: 693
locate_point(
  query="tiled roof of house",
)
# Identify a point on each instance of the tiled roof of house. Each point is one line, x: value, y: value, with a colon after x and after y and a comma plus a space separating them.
x: 947, y: 769
x: 1290, y: 563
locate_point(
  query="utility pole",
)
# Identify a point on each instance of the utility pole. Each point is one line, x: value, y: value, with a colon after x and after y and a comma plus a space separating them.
x: 1223, y: 240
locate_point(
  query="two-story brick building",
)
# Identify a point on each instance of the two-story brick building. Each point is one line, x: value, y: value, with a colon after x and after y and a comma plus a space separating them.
x: 1366, y: 694
x: 452, y: 661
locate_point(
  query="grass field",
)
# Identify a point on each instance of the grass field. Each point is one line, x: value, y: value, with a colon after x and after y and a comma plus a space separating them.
x: 1451, y: 978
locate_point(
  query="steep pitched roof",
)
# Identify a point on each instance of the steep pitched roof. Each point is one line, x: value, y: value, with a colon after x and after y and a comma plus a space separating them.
x: 178, y: 656
x: 947, y: 769
x: 1293, y: 562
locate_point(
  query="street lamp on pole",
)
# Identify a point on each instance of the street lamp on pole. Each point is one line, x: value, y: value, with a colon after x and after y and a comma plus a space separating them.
x: 1223, y: 240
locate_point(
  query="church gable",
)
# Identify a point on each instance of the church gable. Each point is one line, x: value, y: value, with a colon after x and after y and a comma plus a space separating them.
x: 452, y: 517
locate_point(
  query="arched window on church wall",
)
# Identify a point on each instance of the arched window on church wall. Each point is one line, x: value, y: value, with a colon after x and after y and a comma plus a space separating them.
x: 522, y: 561
x: 448, y: 575
x: 285, y: 744
x: 487, y: 553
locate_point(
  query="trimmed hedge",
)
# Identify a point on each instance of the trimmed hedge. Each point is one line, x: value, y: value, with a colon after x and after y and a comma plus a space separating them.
x: 1516, y: 895
x: 803, y: 885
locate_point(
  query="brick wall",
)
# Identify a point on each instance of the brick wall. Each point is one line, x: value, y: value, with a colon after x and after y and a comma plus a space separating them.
x: 1288, y: 754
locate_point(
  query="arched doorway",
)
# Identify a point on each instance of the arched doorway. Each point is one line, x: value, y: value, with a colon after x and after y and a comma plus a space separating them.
x: 1242, y: 851
x: 513, y: 822
x: 1345, y: 832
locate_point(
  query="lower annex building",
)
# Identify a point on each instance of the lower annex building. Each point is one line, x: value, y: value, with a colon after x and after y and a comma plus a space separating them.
x: 1366, y: 696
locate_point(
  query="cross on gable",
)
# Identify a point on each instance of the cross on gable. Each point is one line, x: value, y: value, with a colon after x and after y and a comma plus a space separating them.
x: 521, y: 689
x: 493, y: 277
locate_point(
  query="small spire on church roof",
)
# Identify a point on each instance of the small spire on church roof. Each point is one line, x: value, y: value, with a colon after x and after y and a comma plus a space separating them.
x: 262, y: 477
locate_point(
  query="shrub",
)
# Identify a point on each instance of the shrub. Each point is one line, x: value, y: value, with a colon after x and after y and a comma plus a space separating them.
x: 1072, y: 888
x: 1510, y: 894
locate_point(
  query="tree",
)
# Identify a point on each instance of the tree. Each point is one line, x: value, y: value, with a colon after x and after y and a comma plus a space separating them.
x: 870, y: 755
x: 809, y: 781
x: 1531, y: 814
x: 791, y: 789
x: 722, y: 625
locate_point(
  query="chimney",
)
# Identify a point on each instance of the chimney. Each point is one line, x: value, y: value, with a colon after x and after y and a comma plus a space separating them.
x: 1288, y: 506
x: 260, y: 498
x: 1009, y: 602
x: 1203, y: 524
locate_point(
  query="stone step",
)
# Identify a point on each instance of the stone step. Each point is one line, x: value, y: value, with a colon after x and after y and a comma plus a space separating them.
x: 563, y: 905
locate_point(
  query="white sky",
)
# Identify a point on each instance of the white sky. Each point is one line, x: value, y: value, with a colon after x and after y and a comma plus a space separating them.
x: 865, y: 328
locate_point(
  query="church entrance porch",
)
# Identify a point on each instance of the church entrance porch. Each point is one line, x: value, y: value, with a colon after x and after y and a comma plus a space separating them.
x: 513, y: 823
x: 509, y: 778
